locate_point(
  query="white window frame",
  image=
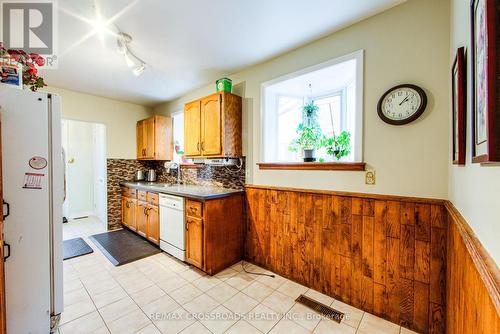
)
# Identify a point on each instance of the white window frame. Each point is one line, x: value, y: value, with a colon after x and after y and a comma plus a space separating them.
x: 357, y: 139
x: 174, y: 155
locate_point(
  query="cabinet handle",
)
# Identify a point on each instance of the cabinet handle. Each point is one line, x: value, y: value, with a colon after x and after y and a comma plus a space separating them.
x: 146, y: 211
x: 203, y: 146
x: 8, y: 252
x: 198, y: 146
x: 127, y: 204
x: 187, y: 225
x: 193, y: 209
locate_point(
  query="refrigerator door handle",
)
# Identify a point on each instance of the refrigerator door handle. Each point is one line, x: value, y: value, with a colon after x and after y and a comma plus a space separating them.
x: 5, y: 257
x: 8, y: 210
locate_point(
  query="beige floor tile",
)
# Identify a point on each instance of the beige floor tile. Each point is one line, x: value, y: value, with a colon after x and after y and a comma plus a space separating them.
x: 240, y: 303
x: 75, y: 296
x: 226, y: 273
x: 160, y: 307
x: 240, y: 281
x: 279, y: 302
x: 172, y: 283
x: 371, y: 324
x: 331, y: 327
x: 76, y: 310
x: 72, y: 285
x: 102, y: 330
x: 292, y: 289
x: 304, y: 316
x: 158, y: 273
x: 83, y: 325
x: 109, y: 297
x: 174, y: 322
x: 263, y: 318
x: 147, y: 295
x: 185, y: 293
x: 139, y: 285
x: 117, y: 309
x: 237, y: 266
x: 258, y: 291
x: 96, y: 288
x: 219, y: 320
x: 196, y: 328
x: 285, y: 326
x: 129, y: 323
x: 407, y: 331
x: 352, y: 315
x: 222, y: 292
x: 150, y: 329
x: 273, y: 282
x: 243, y: 327
x: 319, y: 297
x: 201, y: 304
x: 206, y: 283
x: 192, y: 274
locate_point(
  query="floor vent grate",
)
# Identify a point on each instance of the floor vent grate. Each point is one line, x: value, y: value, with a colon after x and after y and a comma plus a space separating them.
x: 327, y: 311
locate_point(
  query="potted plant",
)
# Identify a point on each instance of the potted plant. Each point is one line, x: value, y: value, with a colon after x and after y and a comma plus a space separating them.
x: 337, y: 146
x: 308, y: 139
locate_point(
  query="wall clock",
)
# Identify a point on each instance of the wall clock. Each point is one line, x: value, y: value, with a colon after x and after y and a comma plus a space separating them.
x: 402, y: 104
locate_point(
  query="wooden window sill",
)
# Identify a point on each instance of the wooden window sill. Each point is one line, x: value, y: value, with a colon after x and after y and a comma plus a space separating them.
x: 347, y: 166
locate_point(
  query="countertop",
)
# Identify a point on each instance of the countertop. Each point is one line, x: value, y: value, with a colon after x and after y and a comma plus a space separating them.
x: 184, y: 190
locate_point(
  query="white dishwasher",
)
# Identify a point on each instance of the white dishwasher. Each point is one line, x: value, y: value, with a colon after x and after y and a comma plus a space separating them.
x: 172, y: 226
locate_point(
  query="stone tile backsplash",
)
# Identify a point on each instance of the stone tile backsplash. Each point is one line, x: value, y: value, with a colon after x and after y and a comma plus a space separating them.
x: 120, y: 170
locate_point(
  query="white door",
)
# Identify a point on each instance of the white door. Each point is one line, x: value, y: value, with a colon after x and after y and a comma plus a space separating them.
x: 79, y: 146
x: 100, y: 167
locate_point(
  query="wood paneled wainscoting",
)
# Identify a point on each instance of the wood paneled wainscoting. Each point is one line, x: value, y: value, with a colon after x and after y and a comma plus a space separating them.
x: 383, y: 254
x: 473, y: 281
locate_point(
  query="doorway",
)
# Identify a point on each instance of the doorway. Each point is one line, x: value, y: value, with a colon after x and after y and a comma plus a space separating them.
x: 85, y: 205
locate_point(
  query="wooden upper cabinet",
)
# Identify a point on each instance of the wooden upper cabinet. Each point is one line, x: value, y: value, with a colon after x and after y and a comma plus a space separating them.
x: 154, y: 138
x: 211, y: 134
x: 192, y: 129
x: 212, y: 126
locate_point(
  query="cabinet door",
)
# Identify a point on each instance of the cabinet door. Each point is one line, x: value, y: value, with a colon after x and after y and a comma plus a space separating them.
x: 211, y: 133
x: 140, y: 139
x: 192, y: 129
x: 153, y: 224
x: 149, y: 135
x: 141, y: 218
x: 194, y: 241
x: 131, y: 210
x: 125, y: 211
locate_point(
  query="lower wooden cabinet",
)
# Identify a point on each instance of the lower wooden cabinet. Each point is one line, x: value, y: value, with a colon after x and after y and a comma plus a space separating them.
x: 153, y: 223
x: 214, y: 236
x: 194, y: 241
x: 140, y: 213
x: 128, y: 212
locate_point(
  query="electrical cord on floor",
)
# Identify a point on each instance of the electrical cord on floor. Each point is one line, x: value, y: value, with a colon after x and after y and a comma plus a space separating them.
x: 252, y: 273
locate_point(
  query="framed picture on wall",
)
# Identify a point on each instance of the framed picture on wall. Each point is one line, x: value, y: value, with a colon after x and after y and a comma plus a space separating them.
x: 458, y: 80
x: 485, y: 39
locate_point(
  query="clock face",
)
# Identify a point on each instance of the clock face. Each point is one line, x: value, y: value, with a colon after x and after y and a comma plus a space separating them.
x: 402, y: 104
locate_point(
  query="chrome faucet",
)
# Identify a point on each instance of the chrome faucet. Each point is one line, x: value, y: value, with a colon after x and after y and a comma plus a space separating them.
x: 171, y: 165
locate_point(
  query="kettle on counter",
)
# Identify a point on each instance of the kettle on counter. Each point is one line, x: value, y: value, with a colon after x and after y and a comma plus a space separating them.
x: 151, y: 175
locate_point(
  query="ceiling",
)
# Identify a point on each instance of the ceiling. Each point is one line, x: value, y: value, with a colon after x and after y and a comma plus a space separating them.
x: 187, y: 44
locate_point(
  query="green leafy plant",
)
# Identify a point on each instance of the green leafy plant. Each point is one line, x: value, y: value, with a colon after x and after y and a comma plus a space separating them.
x: 308, y: 138
x: 337, y: 145
x: 310, y: 115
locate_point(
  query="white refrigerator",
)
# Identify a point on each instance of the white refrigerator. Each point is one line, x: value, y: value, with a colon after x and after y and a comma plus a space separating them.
x: 33, y: 187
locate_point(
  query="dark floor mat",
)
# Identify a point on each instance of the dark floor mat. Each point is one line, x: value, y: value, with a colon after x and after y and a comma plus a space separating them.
x: 75, y: 247
x: 123, y: 246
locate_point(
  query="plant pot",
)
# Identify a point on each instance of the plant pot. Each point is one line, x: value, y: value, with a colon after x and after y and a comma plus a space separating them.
x: 309, y: 155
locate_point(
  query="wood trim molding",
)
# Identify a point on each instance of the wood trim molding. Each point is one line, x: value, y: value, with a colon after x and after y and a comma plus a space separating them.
x: 488, y: 270
x: 345, y: 166
x: 435, y: 201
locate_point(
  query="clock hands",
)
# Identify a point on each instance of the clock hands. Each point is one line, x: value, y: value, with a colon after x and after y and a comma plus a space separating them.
x: 406, y: 99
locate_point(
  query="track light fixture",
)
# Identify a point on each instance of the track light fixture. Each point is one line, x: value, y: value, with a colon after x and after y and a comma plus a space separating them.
x: 123, y: 40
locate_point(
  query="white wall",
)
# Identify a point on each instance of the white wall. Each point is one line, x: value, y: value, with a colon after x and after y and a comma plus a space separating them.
x: 119, y: 118
x: 406, y: 44
x: 473, y: 189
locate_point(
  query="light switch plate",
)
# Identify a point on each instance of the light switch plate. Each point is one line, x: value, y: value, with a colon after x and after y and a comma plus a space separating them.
x: 370, y: 177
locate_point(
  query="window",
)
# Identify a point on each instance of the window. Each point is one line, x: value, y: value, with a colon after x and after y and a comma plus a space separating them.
x: 335, y: 87
x: 178, y: 123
